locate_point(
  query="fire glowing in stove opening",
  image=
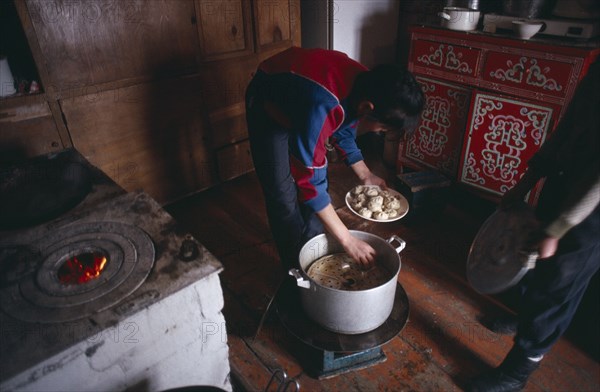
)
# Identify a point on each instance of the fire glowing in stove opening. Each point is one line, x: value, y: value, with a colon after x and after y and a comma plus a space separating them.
x: 82, y: 268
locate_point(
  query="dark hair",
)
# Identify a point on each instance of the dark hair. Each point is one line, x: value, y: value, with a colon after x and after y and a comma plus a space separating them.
x: 396, y: 95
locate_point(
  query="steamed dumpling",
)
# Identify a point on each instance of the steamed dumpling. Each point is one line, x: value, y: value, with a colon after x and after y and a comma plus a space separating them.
x: 377, y: 200
x: 362, y: 198
x: 392, y: 213
x: 356, y: 204
x: 392, y: 204
x: 357, y: 190
x: 380, y: 215
x: 371, y: 192
x: 365, y: 212
x: 373, y: 206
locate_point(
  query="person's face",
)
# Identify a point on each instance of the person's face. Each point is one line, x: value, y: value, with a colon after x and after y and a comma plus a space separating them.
x: 367, y: 123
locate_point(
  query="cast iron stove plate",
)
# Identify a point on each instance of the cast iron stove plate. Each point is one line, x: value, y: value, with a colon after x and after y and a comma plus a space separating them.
x: 36, y: 294
x: 292, y: 315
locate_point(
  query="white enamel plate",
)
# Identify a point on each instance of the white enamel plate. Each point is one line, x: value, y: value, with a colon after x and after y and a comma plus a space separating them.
x: 362, y: 189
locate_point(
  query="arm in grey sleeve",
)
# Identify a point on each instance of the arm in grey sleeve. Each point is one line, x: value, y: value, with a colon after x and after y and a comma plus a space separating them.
x: 576, y: 211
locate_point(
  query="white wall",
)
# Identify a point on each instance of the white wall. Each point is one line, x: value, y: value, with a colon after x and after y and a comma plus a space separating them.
x: 366, y: 30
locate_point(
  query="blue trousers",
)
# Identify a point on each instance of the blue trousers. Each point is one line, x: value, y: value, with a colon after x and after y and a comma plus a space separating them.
x: 292, y: 224
x: 551, y: 293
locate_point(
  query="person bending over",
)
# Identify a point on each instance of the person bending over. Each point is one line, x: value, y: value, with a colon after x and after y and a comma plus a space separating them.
x: 299, y: 101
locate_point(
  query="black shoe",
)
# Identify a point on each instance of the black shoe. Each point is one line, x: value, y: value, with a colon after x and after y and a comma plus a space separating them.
x: 510, y: 376
x: 504, y: 325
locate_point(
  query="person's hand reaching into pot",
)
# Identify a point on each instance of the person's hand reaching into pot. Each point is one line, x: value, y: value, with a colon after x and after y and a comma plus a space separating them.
x: 360, y: 251
x: 356, y: 248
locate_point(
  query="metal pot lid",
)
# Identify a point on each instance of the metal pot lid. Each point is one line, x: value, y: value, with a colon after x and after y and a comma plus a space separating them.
x: 496, y: 259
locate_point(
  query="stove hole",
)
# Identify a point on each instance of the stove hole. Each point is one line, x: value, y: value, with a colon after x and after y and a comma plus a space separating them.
x: 82, y: 267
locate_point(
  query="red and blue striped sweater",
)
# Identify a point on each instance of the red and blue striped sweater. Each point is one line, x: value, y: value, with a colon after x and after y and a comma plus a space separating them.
x: 306, y: 90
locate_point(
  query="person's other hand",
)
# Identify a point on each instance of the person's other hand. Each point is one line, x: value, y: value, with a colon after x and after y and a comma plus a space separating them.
x: 547, y: 247
x: 541, y: 242
x: 372, y: 179
x: 360, y: 251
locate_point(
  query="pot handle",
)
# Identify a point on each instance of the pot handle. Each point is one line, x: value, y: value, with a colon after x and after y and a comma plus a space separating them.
x: 399, y: 240
x: 301, y: 281
x: 444, y: 15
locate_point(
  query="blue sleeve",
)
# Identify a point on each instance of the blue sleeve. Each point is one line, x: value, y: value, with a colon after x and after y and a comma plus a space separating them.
x: 344, y: 140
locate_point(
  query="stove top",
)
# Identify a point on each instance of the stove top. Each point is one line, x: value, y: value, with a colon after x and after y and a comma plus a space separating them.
x: 150, y: 258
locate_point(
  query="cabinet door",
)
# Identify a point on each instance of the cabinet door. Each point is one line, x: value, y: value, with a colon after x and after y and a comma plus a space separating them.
x: 274, y: 23
x: 437, y: 141
x: 224, y: 27
x: 503, y: 135
x: 87, y: 43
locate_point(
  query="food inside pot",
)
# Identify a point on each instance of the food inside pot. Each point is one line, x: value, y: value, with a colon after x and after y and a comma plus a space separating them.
x: 339, y: 271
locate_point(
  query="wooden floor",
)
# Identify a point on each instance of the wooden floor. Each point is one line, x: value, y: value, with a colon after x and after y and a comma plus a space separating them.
x: 441, y: 346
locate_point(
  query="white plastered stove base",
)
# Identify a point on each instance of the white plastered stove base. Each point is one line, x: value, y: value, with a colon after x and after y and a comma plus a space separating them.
x: 176, y: 342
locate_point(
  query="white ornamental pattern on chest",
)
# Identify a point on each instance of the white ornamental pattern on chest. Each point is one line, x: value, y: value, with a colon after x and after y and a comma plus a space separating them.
x: 535, y: 74
x: 432, y: 134
x: 431, y: 138
x: 505, y: 139
x: 448, y: 59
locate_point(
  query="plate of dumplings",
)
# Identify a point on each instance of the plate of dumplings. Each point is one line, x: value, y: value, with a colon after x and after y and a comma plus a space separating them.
x: 375, y: 204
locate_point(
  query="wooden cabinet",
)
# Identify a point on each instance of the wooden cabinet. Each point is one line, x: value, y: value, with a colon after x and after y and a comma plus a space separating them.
x: 491, y: 103
x: 276, y: 26
x: 150, y: 91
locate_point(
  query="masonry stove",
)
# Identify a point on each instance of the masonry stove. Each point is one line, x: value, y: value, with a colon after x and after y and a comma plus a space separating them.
x: 109, y: 295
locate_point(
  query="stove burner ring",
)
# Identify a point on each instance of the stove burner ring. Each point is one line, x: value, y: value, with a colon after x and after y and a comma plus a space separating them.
x: 52, y: 293
x: 47, y: 275
x: 41, y: 297
x: 82, y: 266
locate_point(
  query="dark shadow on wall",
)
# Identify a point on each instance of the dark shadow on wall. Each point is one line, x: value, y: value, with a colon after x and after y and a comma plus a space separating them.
x: 378, y: 37
x: 176, y: 131
x: 419, y: 12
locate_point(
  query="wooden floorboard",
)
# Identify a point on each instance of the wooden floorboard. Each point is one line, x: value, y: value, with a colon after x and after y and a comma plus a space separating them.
x: 442, y: 344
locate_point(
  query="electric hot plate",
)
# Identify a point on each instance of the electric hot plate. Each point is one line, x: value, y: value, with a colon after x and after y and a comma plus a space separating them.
x: 289, y: 309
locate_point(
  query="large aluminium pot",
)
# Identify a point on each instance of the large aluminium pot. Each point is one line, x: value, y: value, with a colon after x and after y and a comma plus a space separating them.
x: 344, y: 311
